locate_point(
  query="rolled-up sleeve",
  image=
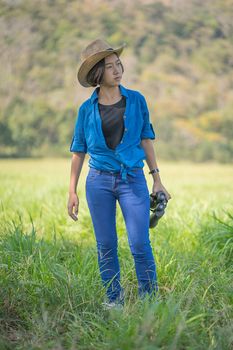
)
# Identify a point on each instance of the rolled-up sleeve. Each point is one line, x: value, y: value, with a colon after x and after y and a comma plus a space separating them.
x: 78, y: 143
x: 147, y: 129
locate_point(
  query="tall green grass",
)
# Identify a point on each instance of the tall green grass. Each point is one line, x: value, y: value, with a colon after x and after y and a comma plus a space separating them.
x: 50, y: 288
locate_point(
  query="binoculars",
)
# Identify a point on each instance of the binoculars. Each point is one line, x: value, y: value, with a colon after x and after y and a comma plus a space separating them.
x: 158, y: 203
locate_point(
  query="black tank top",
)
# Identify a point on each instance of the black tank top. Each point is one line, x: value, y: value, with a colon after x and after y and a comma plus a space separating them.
x: 112, y: 122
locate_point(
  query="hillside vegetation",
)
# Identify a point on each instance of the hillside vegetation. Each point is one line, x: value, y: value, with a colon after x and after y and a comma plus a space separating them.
x: 179, y: 54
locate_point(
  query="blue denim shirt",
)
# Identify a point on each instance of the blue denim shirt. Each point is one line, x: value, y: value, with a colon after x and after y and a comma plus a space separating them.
x: 88, y: 136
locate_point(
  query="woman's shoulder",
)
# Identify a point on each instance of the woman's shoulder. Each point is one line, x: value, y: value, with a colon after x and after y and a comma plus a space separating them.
x: 84, y: 105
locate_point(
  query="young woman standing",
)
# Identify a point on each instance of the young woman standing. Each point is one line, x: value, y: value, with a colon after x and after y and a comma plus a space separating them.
x: 114, y: 128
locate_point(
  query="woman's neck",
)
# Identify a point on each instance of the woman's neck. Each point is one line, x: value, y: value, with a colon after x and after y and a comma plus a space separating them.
x: 109, y: 95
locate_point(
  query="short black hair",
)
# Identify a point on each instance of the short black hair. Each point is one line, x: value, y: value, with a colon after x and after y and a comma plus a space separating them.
x: 95, y: 75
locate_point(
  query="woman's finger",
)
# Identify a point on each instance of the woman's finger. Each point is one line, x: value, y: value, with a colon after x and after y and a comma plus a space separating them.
x: 74, y: 217
x: 76, y: 208
x: 70, y: 211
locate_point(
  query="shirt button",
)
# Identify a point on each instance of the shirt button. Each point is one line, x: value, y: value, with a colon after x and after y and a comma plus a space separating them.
x: 126, y: 129
x: 121, y: 141
x: 124, y: 117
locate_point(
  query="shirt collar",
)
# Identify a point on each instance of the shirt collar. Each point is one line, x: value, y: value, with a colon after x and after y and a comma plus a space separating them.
x: 94, y: 95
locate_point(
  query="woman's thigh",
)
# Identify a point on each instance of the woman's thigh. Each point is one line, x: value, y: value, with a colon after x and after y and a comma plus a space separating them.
x: 134, y: 200
x: 102, y: 205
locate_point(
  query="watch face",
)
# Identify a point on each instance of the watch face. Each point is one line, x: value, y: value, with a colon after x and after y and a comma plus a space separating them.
x: 154, y: 171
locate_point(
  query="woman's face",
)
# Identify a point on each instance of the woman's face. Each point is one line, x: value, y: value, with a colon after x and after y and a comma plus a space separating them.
x: 112, y: 71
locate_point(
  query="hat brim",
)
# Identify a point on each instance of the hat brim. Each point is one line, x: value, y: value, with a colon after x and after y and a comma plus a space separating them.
x: 89, y: 63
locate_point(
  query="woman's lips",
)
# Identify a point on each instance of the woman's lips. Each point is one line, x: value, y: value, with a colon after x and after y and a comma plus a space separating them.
x: 117, y: 78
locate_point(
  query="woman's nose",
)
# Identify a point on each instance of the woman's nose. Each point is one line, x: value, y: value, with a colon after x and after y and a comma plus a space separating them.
x: 116, y: 69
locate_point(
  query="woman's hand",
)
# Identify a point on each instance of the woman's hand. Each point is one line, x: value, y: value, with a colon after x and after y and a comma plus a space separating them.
x: 158, y: 186
x: 72, y: 206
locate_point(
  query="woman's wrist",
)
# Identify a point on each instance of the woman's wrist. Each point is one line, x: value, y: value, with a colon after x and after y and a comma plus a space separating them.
x: 154, y: 171
x: 155, y: 174
x: 72, y: 192
x: 156, y: 177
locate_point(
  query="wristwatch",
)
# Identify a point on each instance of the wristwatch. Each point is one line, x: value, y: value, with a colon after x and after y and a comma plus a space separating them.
x: 153, y: 171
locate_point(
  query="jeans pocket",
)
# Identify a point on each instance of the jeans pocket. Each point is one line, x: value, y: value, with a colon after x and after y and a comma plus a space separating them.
x: 139, y: 178
x: 92, y: 175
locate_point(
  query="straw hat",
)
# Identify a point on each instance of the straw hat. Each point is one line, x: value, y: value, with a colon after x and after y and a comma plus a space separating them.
x: 92, y: 54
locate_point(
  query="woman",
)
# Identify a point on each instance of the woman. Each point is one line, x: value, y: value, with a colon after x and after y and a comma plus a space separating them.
x: 113, y: 127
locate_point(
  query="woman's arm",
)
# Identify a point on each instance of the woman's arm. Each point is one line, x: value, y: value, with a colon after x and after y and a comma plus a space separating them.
x: 148, y: 147
x: 76, y: 167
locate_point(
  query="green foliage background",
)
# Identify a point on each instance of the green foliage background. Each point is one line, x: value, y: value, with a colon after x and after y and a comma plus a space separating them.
x: 179, y: 54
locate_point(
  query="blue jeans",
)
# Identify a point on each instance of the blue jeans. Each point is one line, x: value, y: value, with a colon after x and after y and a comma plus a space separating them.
x: 102, y: 191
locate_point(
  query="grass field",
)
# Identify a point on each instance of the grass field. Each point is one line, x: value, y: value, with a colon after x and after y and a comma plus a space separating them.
x: 51, y: 293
